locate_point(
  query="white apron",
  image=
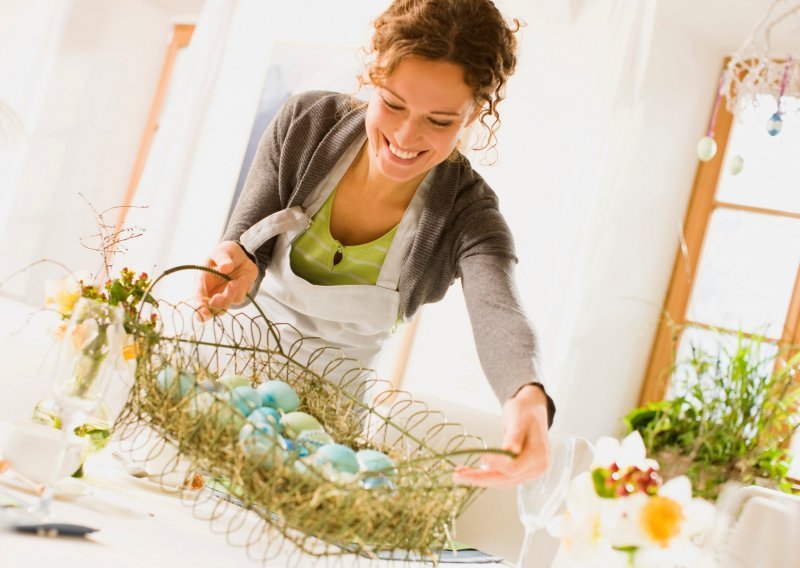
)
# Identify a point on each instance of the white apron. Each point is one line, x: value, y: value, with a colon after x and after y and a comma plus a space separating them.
x: 352, y: 321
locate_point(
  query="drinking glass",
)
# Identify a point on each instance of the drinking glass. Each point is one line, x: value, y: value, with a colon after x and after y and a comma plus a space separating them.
x: 88, y: 362
x: 540, y: 499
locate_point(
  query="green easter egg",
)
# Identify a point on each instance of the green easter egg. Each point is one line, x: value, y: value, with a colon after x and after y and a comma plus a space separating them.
x: 230, y: 382
x: 297, y: 422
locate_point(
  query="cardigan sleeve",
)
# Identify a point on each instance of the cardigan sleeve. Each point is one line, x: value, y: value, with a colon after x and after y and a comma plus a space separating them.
x: 504, y: 338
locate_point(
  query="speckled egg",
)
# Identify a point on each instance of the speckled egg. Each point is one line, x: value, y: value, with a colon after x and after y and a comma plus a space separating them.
x: 230, y: 382
x: 266, y: 415
x: 375, y: 461
x: 341, y: 458
x: 297, y: 422
x: 292, y: 448
x: 175, y: 383
x: 246, y: 399
x: 278, y: 395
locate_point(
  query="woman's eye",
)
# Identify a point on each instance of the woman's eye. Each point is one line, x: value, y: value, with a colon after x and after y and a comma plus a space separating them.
x: 390, y: 106
x: 441, y: 124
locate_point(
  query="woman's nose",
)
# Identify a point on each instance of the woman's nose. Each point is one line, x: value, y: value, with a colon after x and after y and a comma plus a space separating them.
x: 406, y: 134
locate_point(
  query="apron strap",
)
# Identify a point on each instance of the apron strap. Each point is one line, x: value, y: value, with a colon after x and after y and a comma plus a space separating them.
x: 389, y: 276
x: 291, y: 221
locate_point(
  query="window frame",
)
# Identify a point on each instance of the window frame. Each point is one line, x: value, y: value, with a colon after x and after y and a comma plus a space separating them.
x: 702, y: 204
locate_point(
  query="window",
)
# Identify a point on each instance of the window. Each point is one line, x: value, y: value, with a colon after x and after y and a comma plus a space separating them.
x: 738, y: 268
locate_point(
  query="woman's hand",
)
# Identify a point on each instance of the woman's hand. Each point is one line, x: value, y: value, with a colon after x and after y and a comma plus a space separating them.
x: 525, y: 434
x: 213, y: 294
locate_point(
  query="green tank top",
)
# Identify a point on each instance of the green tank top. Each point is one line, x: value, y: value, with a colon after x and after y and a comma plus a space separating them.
x: 320, y: 259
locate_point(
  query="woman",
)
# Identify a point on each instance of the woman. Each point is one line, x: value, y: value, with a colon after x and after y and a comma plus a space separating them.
x: 360, y: 213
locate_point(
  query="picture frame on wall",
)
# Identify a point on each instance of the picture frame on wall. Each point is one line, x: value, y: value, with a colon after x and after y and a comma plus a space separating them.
x: 293, y: 69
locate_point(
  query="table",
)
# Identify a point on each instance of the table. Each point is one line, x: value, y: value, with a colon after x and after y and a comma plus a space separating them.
x: 140, y: 524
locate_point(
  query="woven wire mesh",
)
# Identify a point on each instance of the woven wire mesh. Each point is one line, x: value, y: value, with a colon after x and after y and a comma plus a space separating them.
x: 298, y: 508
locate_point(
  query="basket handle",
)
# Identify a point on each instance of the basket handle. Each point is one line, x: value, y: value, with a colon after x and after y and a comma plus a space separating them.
x: 218, y: 274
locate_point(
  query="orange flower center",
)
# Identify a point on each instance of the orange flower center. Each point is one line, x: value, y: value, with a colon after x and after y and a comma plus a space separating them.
x: 661, y: 519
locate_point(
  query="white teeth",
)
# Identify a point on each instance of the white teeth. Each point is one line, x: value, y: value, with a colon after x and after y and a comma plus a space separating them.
x: 402, y: 154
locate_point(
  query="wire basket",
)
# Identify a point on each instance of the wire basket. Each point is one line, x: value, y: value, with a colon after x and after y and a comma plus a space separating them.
x: 411, y: 515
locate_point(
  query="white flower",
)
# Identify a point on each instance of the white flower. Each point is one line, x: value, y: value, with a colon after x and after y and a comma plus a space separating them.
x: 631, y: 453
x: 61, y: 295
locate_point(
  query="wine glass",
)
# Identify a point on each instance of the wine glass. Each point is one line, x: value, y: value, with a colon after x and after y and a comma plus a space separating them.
x: 540, y: 499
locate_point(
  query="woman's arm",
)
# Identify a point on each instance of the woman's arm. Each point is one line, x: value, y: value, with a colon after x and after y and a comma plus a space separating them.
x: 506, y: 346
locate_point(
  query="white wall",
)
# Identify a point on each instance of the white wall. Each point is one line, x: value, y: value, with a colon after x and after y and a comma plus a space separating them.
x: 86, y: 135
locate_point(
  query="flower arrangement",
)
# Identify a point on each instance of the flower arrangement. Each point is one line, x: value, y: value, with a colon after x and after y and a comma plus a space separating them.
x: 97, y: 334
x: 622, y: 514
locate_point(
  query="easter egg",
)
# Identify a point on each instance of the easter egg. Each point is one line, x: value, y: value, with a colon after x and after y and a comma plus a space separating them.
x: 775, y: 124
x: 736, y: 165
x: 279, y: 395
x: 227, y: 416
x: 266, y: 415
x: 230, y: 382
x: 246, y: 399
x: 339, y: 457
x: 313, y: 440
x: 256, y: 441
x: 176, y: 384
x: 706, y: 148
x: 297, y: 422
x: 201, y: 403
x: 377, y: 482
x: 375, y: 461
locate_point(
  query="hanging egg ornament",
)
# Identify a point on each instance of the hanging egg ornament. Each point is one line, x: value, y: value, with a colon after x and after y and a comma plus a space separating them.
x: 706, y: 148
x: 774, y: 124
x: 736, y: 165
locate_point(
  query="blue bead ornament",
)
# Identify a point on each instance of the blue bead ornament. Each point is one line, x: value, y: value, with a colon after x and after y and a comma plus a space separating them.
x: 775, y: 124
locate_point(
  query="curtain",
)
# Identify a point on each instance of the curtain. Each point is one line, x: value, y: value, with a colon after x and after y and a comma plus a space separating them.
x: 162, y: 186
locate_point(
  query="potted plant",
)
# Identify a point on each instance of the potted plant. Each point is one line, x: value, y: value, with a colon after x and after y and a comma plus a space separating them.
x: 729, y: 416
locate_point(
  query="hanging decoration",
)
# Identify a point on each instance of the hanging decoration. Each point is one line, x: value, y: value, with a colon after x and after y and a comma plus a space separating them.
x: 754, y: 71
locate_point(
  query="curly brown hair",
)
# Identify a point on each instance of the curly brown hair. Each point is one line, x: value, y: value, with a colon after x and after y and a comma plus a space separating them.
x: 470, y: 33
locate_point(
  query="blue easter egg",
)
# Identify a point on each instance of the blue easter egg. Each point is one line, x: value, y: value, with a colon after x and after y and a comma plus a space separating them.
x: 246, y: 399
x: 775, y: 124
x: 255, y: 441
x: 266, y: 415
x: 377, y: 482
x: 176, y: 384
x: 278, y: 395
x: 375, y: 461
x: 339, y: 457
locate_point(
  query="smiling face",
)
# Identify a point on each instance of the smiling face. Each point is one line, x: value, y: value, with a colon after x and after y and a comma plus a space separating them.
x: 415, y: 117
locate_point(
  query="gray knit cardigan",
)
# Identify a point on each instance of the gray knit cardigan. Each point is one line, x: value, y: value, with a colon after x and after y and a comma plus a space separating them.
x: 461, y: 232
